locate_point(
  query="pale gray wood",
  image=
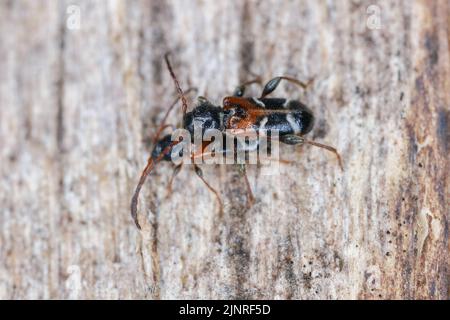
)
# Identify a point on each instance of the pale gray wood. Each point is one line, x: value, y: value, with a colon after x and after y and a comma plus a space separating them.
x: 78, y: 108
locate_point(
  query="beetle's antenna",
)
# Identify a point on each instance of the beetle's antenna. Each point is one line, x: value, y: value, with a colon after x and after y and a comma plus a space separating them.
x: 177, y: 84
x: 163, y: 122
x: 151, y: 161
x: 148, y: 168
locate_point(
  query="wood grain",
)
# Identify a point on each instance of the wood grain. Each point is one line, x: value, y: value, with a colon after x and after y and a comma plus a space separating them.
x: 78, y: 108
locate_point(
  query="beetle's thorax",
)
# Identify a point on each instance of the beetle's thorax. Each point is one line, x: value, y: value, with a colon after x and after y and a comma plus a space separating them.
x: 204, y: 116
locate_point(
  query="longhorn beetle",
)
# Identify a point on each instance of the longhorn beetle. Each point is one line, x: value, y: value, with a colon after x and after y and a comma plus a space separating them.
x: 291, y: 118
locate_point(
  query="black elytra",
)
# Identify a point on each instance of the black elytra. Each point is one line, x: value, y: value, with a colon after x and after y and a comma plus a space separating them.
x: 287, y: 117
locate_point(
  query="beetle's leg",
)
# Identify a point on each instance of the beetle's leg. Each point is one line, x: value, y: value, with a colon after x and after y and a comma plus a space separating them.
x: 203, y: 99
x: 294, y: 139
x: 273, y: 84
x: 284, y: 161
x: 199, y: 173
x: 243, y: 172
x: 175, y: 172
x: 240, y: 89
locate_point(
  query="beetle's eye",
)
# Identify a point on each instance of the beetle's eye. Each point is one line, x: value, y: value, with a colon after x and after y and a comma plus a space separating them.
x: 207, y: 123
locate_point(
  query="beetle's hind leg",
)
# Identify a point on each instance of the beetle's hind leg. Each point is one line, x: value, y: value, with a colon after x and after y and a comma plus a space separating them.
x: 250, y: 196
x: 272, y: 84
x: 199, y: 173
x: 294, y: 140
x: 240, y: 89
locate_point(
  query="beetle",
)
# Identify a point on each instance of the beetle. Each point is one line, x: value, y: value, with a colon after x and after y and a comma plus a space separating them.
x: 290, y: 118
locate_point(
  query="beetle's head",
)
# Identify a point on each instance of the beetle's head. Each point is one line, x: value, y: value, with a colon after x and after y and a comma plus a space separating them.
x: 164, y: 143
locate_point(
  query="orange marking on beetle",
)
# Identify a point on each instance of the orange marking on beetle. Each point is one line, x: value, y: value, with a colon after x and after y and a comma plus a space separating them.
x: 232, y: 102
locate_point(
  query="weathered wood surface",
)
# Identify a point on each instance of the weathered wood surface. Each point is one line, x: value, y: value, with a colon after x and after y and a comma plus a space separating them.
x: 78, y: 108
